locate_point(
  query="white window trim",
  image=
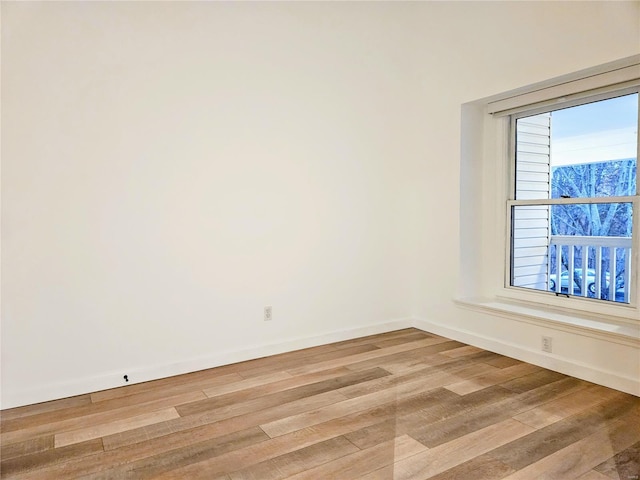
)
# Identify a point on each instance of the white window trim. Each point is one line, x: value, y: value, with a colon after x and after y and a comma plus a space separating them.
x: 490, y: 156
x: 572, y: 86
x: 594, y: 327
x: 612, y: 91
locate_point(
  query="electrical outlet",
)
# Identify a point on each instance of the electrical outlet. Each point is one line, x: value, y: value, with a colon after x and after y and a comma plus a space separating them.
x: 547, y: 344
x: 267, y: 313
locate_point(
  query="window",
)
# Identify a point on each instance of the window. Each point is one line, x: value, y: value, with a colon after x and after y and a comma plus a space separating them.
x: 576, y: 207
x: 573, y: 197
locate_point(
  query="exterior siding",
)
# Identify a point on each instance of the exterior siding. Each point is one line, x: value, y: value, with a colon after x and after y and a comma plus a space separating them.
x: 530, y: 225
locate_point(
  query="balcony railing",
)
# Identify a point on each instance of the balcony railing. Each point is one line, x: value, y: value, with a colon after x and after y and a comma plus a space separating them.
x: 597, y: 267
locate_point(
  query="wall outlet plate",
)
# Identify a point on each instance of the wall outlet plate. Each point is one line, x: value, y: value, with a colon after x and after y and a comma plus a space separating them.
x: 547, y: 344
x: 268, y: 313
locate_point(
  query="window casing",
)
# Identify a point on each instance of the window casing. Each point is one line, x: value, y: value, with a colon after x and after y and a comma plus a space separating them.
x: 486, y: 190
x: 546, y: 253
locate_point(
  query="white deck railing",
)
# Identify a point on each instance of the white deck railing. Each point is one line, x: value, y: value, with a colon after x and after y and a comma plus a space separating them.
x: 613, y: 244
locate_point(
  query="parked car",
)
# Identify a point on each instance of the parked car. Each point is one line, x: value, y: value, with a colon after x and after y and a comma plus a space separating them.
x: 619, y: 292
x: 590, y: 281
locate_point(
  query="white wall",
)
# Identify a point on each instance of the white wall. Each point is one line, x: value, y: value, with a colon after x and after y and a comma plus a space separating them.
x: 170, y: 168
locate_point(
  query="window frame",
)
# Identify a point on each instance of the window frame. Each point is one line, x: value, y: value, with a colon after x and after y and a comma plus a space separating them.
x: 506, y: 134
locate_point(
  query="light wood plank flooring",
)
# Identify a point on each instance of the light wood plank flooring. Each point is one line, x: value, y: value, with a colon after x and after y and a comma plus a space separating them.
x: 396, y: 406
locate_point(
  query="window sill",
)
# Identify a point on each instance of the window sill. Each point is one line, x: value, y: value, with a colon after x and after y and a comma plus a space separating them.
x: 601, y: 327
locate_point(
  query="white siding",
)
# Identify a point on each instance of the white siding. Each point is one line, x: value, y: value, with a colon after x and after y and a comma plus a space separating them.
x: 531, y: 224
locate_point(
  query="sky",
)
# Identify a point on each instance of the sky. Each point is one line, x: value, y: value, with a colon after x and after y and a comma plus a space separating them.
x: 595, y: 132
x: 612, y: 114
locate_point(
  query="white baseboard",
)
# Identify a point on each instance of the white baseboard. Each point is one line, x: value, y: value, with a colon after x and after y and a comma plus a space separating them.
x: 556, y: 363
x: 53, y: 391
x: 82, y: 386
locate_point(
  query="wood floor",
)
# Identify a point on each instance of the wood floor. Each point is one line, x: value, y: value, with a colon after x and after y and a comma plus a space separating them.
x: 402, y: 405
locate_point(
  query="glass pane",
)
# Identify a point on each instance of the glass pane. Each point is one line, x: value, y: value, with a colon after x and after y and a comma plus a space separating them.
x: 578, y: 152
x: 582, y: 249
